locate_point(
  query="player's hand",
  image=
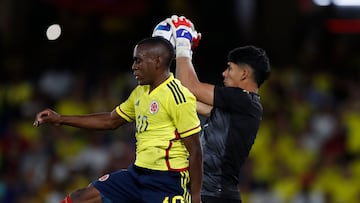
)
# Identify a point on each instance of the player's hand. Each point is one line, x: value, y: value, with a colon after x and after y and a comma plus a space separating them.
x: 163, y: 29
x: 195, y: 40
x: 182, y: 27
x: 186, y: 37
x: 46, y: 116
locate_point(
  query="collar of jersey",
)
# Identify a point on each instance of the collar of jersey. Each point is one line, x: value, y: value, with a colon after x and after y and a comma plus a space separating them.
x: 171, y: 77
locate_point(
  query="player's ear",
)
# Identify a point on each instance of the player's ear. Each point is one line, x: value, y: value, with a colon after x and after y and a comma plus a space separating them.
x: 244, y: 72
x: 250, y: 71
x: 158, y: 60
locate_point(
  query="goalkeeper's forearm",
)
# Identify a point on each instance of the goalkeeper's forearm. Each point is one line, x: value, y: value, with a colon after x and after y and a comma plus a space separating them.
x: 186, y: 73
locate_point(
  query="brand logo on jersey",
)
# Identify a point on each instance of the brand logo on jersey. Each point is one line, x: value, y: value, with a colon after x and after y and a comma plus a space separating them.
x: 154, y: 107
x: 104, y: 177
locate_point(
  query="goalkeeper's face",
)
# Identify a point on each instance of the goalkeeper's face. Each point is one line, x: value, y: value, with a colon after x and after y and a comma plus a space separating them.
x: 233, y: 75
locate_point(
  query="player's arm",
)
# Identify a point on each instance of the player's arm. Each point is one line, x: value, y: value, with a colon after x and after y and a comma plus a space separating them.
x: 185, y: 72
x: 187, y: 38
x: 203, y: 109
x: 99, y: 121
x: 192, y: 144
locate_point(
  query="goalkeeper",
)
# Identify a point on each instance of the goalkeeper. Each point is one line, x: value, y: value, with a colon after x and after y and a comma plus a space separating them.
x: 168, y: 165
x: 233, y: 110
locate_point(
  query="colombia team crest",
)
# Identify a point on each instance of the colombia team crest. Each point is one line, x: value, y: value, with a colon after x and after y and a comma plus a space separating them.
x: 154, y: 107
x: 104, y: 177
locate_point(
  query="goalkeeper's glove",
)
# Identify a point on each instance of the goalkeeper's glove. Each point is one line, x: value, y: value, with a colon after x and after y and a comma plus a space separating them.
x: 185, y: 35
x: 163, y: 29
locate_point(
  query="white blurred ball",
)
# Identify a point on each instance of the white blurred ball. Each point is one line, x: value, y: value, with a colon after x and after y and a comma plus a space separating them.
x: 163, y: 29
x: 53, y: 32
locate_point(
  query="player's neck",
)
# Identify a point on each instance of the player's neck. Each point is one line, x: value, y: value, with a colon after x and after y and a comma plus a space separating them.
x: 250, y: 87
x: 162, y: 77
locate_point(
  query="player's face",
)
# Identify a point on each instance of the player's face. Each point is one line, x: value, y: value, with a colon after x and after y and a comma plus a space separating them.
x: 232, y: 75
x: 143, y: 65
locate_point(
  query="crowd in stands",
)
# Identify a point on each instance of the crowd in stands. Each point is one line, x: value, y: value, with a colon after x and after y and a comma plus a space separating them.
x: 307, y: 149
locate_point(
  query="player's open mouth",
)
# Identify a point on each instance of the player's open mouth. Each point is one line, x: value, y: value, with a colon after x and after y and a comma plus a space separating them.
x: 136, y: 76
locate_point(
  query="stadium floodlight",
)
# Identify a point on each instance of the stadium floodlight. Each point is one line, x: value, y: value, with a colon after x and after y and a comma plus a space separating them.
x: 322, y: 2
x: 337, y: 2
x: 347, y: 2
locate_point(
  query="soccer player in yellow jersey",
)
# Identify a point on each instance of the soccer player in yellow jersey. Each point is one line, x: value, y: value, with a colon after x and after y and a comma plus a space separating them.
x: 168, y: 165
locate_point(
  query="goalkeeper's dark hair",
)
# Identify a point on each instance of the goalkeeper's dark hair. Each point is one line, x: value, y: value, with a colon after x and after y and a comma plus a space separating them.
x: 255, y: 57
x: 157, y: 40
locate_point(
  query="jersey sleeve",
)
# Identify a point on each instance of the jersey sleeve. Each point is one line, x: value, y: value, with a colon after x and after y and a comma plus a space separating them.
x: 231, y: 98
x: 185, y: 117
x: 127, y: 109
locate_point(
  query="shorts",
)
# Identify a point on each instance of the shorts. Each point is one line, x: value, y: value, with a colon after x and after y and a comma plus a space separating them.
x: 139, y: 185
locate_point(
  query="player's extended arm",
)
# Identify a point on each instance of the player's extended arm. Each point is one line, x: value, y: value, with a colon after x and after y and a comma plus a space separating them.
x: 185, y: 38
x: 192, y: 144
x: 185, y: 72
x: 203, y: 109
x: 99, y: 121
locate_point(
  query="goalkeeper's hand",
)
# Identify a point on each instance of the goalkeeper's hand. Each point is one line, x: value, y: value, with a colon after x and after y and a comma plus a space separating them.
x: 195, y: 40
x: 163, y: 29
x: 186, y: 38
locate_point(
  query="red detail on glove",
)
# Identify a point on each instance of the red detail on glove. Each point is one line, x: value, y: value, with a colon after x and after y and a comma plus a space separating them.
x: 67, y: 199
x: 195, y: 41
x: 181, y: 21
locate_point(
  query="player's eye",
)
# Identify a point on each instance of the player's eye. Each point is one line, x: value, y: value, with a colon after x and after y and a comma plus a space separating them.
x: 136, y: 60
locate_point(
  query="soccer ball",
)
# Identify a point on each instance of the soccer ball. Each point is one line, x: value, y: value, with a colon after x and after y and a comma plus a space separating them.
x: 163, y: 29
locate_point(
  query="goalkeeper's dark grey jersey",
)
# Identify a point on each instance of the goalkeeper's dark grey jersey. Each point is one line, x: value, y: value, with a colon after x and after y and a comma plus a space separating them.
x: 227, y: 137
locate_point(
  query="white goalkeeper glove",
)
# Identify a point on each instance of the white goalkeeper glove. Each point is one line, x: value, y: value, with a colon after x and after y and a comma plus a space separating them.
x: 163, y: 29
x: 186, y: 38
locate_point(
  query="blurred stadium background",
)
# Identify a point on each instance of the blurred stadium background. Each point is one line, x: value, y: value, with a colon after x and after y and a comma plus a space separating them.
x: 308, y: 147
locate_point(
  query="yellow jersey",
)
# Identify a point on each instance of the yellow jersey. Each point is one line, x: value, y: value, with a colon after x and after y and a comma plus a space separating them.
x: 163, y: 116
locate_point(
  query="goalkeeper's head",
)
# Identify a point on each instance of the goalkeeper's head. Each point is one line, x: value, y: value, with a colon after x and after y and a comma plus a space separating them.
x: 256, y: 58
